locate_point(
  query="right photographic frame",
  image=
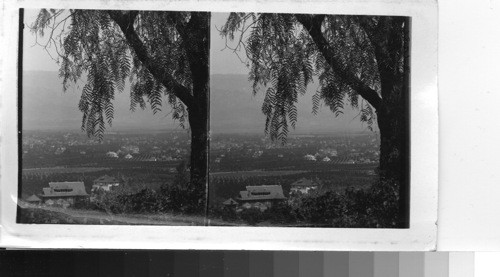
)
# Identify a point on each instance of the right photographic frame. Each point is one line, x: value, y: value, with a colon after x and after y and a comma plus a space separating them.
x: 310, y: 120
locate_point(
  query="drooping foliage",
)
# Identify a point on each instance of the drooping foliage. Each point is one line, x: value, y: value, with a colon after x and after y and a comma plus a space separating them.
x: 94, y: 48
x: 285, y: 57
x: 361, y: 61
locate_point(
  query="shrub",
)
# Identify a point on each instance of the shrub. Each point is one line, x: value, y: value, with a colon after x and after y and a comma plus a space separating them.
x: 321, y: 209
x: 182, y: 199
x: 110, y: 201
x: 355, y: 208
x: 251, y: 216
x: 181, y: 196
x: 144, y: 201
x: 228, y: 214
x: 282, y: 213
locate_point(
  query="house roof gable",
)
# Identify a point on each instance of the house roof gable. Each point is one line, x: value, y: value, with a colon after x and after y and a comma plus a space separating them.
x: 271, y: 192
x: 33, y: 198
x: 230, y: 201
x: 61, y: 189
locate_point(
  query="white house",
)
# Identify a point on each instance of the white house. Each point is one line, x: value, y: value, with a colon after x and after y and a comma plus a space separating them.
x: 105, y: 183
x: 309, y: 157
x: 303, y: 186
x: 261, y: 197
x: 64, y: 194
x: 111, y: 154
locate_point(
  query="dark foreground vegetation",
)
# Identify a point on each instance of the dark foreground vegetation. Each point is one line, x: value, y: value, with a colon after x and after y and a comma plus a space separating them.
x: 345, y: 200
x: 375, y: 207
x: 348, y: 207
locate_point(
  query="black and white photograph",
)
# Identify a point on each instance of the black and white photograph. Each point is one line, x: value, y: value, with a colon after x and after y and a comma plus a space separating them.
x: 88, y: 157
x: 206, y: 120
x: 314, y: 130
x: 315, y: 134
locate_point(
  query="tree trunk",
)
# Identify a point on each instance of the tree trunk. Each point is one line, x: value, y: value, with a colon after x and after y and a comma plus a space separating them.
x: 393, y: 122
x: 198, y: 122
x: 393, y: 117
x: 392, y: 108
x: 196, y: 40
x: 195, y: 36
x: 198, y: 183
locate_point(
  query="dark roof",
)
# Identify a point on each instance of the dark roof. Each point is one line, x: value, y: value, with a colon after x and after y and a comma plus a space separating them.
x: 304, y: 183
x: 106, y: 179
x: 230, y: 201
x: 33, y: 198
x: 272, y: 192
x: 64, y: 189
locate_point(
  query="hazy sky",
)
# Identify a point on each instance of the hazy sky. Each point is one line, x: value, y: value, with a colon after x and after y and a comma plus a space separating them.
x: 35, y: 57
x: 223, y: 61
x: 231, y: 96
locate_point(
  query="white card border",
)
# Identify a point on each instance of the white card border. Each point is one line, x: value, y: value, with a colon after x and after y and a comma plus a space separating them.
x: 424, y: 148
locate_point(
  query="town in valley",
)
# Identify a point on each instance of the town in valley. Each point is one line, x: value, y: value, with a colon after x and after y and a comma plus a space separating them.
x: 248, y: 172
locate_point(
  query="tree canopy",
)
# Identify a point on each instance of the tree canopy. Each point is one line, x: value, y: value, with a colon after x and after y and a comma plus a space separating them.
x: 362, y: 61
x: 287, y: 50
x: 359, y: 60
x: 164, y: 54
x: 107, y: 47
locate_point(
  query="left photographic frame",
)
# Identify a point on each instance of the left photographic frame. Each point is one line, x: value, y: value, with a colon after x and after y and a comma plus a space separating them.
x: 113, y: 117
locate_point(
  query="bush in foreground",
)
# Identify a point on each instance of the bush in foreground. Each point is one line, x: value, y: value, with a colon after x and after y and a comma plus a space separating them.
x: 376, y: 207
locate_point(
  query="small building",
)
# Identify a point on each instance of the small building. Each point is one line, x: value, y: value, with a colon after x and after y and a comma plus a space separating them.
x: 131, y: 149
x: 261, y: 197
x: 111, y: 154
x: 332, y: 152
x: 128, y: 157
x: 230, y: 203
x: 257, y: 154
x: 329, y: 152
x: 105, y: 183
x: 303, y: 186
x: 309, y: 157
x: 64, y: 194
x: 33, y: 199
x: 60, y: 150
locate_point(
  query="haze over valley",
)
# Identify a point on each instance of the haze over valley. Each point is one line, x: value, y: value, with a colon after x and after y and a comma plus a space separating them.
x: 233, y: 109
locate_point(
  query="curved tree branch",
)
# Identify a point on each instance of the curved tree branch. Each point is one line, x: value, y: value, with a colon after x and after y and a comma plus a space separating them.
x: 312, y: 23
x: 126, y: 23
x: 375, y: 35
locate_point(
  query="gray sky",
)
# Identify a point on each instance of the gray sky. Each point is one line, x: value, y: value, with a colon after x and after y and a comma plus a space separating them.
x: 223, y: 61
x: 232, y: 94
x: 35, y: 57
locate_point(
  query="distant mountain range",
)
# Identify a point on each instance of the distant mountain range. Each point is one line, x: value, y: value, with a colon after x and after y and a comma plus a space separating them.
x: 233, y: 108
